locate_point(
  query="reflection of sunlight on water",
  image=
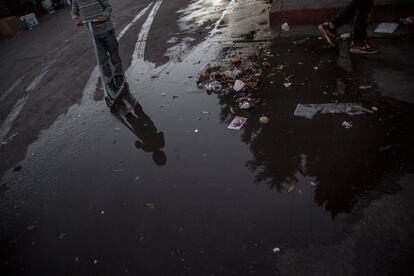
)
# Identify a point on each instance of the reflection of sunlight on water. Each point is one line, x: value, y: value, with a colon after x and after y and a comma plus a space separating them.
x: 201, y: 12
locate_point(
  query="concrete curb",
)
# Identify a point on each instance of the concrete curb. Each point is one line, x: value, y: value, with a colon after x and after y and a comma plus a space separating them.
x: 302, y: 13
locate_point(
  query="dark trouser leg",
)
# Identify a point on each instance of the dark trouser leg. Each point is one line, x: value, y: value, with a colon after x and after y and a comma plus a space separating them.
x: 364, y: 8
x: 112, y: 46
x: 103, y: 58
x: 345, y: 15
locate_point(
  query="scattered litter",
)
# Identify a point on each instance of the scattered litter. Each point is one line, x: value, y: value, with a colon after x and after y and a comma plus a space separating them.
x: 285, y: 27
x: 237, y: 123
x: 276, y: 249
x: 30, y: 227
x: 195, y: 130
x: 95, y: 262
x: 238, y: 85
x: 347, y: 125
x: 409, y: 21
x: 246, y: 104
x: 264, y: 120
x: 309, y: 111
x: 374, y: 108
x: 238, y: 78
x: 386, y: 28
x: 204, y: 72
x: 385, y: 148
x: 236, y: 59
x: 316, y: 68
x: 365, y: 87
x: 150, y: 205
x: 214, y: 86
x: 102, y: 212
x: 266, y: 64
x: 344, y: 36
x: 287, y: 84
x: 205, y: 112
x: 291, y: 188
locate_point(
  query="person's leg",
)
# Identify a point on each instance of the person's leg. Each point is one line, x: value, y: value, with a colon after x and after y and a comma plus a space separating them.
x: 363, y: 8
x: 103, y: 58
x: 360, y: 44
x: 112, y: 45
x: 346, y: 14
x: 328, y: 29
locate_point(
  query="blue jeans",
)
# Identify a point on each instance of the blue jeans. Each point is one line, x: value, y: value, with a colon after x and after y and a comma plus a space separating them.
x: 108, y: 50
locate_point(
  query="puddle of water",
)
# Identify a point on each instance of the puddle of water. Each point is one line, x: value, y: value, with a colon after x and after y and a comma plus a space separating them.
x: 220, y: 201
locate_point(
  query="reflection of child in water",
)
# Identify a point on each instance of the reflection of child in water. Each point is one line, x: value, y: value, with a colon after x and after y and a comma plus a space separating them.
x: 149, y: 138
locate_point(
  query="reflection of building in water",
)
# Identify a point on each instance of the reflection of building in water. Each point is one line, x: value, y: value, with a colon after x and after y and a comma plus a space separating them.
x: 149, y: 138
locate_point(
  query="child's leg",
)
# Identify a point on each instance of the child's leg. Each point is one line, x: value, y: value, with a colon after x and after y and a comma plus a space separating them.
x: 112, y: 45
x: 104, y: 58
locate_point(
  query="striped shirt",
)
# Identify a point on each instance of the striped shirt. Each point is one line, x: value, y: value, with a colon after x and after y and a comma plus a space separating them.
x: 90, y: 9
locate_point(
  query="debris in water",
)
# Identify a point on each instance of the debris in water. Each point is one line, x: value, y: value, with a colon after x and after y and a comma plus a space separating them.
x: 347, y: 125
x: 150, y: 205
x: 137, y: 178
x: 309, y: 111
x: 276, y: 249
x: 238, y: 85
x: 205, y: 112
x: 102, y: 212
x: 285, y: 27
x: 316, y: 68
x: 195, y: 130
x: 264, y: 120
x: 235, y: 59
x: 237, y: 123
x: 409, y: 21
x: 364, y: 87
x: 95, y: 262
x: 374, y: 108
x: 266, y: 64
x: 386, y: 28
x: 62, y: 236
x: 287, y: 84
x: 313, y: 183
x: 163, y: 94
x: 31, y: 227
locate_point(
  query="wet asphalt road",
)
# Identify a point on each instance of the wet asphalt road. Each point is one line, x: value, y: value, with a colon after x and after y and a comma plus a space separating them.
x: 167, y: 189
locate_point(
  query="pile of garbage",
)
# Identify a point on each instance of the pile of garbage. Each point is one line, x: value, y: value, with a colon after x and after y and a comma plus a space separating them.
x: 239, y: 78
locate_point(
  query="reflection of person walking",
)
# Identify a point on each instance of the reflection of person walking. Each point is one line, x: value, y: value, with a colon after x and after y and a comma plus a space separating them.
x: 360, y: 9
x: 107, y: 45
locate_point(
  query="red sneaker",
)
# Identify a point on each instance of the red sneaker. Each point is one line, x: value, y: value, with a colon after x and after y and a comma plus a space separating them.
x: 365, y: 48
